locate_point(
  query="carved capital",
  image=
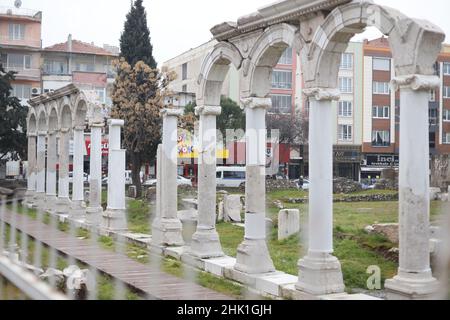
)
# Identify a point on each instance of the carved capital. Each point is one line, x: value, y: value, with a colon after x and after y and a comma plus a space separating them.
x: 31, y: 134
x: 254, y: 103
x: 79, y: 128
x: 116, y: 122
x: 42, y: 133
x: 415, y: 82
x: 171, y: 112
x: 323, y: 94
x: 208, y: 110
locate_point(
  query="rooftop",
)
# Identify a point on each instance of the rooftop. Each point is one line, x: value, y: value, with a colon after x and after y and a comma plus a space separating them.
x: 80, y: 47
x: 20, y: 12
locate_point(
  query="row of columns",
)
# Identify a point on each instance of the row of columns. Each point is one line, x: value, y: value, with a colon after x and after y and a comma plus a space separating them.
x: 319, y: 271
x: 45, y: 192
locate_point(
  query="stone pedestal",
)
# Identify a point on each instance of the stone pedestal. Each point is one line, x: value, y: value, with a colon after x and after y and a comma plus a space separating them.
x: 114, y: 218
x: 205, y: 241
x: 63, y: 202
x: 31, y: 171
x: 167, y: 228
x: 288, y: 223
x: 78, y: 207
x: 94, y: 210
x: 252, y: 254
x: 414, y: 279
x: 319, y: 272
x: 40, y: 171
x: 51, y: 172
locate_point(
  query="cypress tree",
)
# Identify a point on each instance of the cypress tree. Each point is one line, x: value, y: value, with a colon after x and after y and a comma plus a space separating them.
x: 135, y: 43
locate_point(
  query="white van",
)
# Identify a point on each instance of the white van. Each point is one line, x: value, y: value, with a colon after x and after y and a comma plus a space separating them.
x: 230, y: 177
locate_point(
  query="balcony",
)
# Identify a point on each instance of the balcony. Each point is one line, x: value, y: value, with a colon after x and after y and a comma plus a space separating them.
x: 26, y: 74
x: 26, y: 42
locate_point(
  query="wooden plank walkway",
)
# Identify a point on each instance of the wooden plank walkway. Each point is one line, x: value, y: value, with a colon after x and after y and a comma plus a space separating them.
x: 147, y: 278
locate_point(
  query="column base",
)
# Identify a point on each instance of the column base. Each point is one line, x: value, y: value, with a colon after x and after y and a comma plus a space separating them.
x: 413, y: 286
x: 50, y: 203
x: 167, y: 232
x: 77, y: 208
x: 253, y: 257
x: 206, y: 244
x: 39, y: 201
x: 94, y: 215
x: 320, y: 274
x: 62, y: 205
x: 114, y: 220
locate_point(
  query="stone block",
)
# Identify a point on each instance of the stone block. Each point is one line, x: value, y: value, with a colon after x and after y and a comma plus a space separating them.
x: 189, y: 219
x: 232, y: 208
x: 220, y: 213
x: 434, y: 193
x: 389, y: 230
x: 217, y: 266
x: 272, y: 284
x: 132, y: 192
x: 288, y: 223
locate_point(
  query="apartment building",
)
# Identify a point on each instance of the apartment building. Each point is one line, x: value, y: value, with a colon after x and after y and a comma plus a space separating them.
x: 83, y: 64
x: 20, y: 49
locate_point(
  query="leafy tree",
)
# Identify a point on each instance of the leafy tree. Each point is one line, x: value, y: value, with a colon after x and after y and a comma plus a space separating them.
x: 138, y: 97
x: 13, y: 138
x: 135, y: 43
x: 293, y: 129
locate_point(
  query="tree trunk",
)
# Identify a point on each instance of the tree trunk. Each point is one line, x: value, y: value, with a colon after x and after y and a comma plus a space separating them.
x: 135, y: 173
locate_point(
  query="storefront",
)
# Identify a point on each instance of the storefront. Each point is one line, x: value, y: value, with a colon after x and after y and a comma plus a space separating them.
x: 374, y: 164
x: 347, y: 162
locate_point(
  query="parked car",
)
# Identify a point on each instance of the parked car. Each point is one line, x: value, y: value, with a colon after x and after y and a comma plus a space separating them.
x: 181, y: 181
x: 230, y: 177
x: 302, y: 184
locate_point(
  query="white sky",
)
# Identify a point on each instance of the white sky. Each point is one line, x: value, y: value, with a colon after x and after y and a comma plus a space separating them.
x: 177, y: 25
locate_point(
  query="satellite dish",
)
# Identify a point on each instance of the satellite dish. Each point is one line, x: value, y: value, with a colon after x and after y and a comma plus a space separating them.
x: 18, y: 4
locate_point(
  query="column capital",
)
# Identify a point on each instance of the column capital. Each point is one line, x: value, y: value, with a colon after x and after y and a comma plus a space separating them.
x: 415, y: 82
x: 51, y: 132
x: 64, y: 130
x: 79, y: 128
x: 97, y: 125
x: 31, y: 134
x: 321, y: 94
x: 171, y: 113
x: 116, y: 123
x: 255, y: 103
x: 42, y: 133
x: 208, y: 110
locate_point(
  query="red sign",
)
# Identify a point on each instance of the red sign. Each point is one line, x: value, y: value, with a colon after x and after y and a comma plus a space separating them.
x: 105, y: 146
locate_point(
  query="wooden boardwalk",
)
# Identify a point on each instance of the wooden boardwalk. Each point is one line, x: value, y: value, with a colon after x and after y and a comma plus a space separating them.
x: 144, y: 277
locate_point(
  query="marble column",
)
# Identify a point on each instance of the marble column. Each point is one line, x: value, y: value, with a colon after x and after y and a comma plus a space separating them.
x: 319, y: 271
x: 205, y: 241
x: 31, y: 170
x: 63, y: 202
x: 114, y: 218
x: 414, y: 279
x: 40, y: 170
x: 253, y: 256
x: 167, y: 229
x: 78, y: 206
x: 51, y: 171
x: 95, y: 210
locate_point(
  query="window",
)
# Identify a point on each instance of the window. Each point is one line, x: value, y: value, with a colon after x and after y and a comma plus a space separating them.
x: 433, y: 116
x: 447, y: 68
x: 432, y: 95
x: 85, y: 67
x: 381, y: 64
x: 446, y: 138
x: 55, y: 67
x: 184, y: 88
x: 21, y: 91
x: 446, y: 92
x: 346, y: 85
x: 347, y: 61
x: 281, y: 103
x: 381, y: 88
x: 345, y: 109
x: 286, y: 57
x: 101, y: 93
x: 234, y: 175
x: 381, y: 112
x: 446, y: 115
x: 345, y: 132
x: 184, y: 71
x: 19, y: 61
x: 282, y: 79
x: 381, y: 138
x: 219, y: 174
x: 16, y: 31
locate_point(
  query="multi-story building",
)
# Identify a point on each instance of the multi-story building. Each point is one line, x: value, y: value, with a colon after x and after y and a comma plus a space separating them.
x: 20, y: 49
x: 83, y: 64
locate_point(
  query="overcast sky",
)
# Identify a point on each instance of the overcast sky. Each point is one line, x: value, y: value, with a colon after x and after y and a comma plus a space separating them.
x: 176, y: 25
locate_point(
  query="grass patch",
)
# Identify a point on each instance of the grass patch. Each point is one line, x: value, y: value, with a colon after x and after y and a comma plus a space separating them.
x: 106, y: 242
x: 138, y: 216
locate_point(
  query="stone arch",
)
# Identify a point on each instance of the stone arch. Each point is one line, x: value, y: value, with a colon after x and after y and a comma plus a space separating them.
x: 32, y: 124
x: 53, y: 123
x: 42, y: 123
x: 263, y: 57
x: 415, y: 44
x: 80, y: 110
x: 214, y: 69
x: 65, y: 121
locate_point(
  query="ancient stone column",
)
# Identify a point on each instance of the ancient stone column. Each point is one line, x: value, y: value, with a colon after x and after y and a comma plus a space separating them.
x: 319, y: 271
x: 252, y: 254
x: 95, y: 210
x: 205, y: 241
x: 78, y: 206
x: 114, y: 218
x: 51, y: 170
x: 167, y: 230
x: 40, y: 170
x: 63, y: 202
x: 414, y: 279
x: 31, y: 171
